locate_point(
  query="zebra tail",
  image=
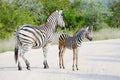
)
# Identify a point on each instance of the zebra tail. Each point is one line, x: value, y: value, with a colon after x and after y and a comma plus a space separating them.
x: 16, y: 54
x: 16, y: 47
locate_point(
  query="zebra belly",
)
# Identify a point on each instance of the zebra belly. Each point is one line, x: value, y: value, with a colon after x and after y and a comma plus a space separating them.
x: 68, y: 44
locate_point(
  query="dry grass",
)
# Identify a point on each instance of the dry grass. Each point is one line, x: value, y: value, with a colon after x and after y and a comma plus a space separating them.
x: 108, y: 33
x: 104, y: 34
x: 7, y: 45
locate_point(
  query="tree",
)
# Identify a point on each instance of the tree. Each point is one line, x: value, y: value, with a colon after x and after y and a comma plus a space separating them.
x: 95, y: 13
x: 114, y: 20
x: 11, y: 17
x: 71, y: 15
x: 35, y: 8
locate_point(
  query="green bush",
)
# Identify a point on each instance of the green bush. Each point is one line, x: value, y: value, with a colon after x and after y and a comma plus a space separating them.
x: 72, y: 17
x: 11, y: 17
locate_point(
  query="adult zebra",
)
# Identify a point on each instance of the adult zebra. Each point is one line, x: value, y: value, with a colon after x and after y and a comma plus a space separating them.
x: 28, y: 37
x: 72, y: 42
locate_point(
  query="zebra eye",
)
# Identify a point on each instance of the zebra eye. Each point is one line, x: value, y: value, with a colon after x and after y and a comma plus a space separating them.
x: 87, y: 33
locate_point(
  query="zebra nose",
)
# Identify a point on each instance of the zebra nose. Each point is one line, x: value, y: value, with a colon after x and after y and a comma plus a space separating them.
x: 91, y: 39
x: 63, y: 28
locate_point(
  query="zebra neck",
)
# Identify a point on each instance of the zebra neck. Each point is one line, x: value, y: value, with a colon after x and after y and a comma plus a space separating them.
x: 52, y: 25
x: 78, y: 38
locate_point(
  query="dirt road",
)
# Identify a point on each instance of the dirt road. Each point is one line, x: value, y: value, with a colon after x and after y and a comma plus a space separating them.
x: 98, y: 60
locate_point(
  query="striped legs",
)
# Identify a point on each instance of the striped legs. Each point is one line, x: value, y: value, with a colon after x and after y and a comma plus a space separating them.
x: 61, y: 61
x: 21, y: 52
x: 19, y: 55
x: 45, y: 56
x: 75, y: 57
x: 26, y: 62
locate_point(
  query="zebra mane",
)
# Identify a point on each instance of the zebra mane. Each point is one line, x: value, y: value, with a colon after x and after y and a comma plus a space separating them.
x: 50, y: 15
x: 79, y: 32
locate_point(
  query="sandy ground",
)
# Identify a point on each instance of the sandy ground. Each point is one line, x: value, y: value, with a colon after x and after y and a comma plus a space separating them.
x: 98, y: 60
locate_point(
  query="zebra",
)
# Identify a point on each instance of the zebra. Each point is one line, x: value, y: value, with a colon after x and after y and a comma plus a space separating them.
x: 72, y: 42
x: 29, y: 37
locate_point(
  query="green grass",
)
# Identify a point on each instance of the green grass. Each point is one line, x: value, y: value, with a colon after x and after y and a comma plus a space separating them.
x: 104, y: 34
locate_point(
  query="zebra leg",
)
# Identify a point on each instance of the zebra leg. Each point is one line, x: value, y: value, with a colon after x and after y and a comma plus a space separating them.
x: 62, y: 58
x: 77, y: 59
x: 45, y: 56
x: 61, y: 62
x: 19, y: 56
x: 25, y: 49
x: 73, y: 59
x: 26, y: 62
x: 19, y: 66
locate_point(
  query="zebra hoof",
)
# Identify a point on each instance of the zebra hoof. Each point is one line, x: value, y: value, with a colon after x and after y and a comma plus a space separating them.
x: 73, y: 69
x: 77, y: 69
x: 46, y: 66
x: 28, y: 68
x: 60, y: 67
x: 19, y: 69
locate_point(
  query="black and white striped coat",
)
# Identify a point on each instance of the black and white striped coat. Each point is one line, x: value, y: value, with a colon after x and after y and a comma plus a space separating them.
x: 28, y: 36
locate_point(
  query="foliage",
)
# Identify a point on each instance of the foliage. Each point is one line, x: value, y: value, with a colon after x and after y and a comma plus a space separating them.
x: 95, y: 13
x: 33, y: 6
x: 114, y: 20
x: 72, y: 18
x: 76, y: 13
x: 11, y: 17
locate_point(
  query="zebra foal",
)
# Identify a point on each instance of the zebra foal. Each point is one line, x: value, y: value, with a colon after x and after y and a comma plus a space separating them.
x: 72, y: 42
x: 28, y: 37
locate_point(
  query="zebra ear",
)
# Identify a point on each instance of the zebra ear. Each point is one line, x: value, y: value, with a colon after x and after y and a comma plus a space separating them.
x: 87, y: 28
x: 60, y: 11
x: 57, y: 11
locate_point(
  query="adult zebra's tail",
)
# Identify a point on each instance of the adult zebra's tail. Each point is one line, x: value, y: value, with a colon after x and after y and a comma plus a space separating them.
x: 16, y: 54
x: 16, y: 45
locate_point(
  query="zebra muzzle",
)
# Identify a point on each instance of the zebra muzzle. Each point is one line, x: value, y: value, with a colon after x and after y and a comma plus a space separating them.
x: 63, y: 28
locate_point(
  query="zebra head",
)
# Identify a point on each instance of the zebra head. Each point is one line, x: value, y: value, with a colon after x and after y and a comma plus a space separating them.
x: 60, y: 21
x: 87, y: 34
x: 83, y: 33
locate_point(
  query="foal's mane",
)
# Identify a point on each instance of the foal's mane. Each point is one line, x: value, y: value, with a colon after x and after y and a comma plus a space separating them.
x: 79, y: 32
